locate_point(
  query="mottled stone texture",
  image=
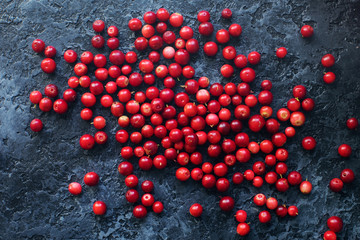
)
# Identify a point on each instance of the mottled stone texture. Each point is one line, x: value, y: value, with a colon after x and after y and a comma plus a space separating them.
x: 35, y: 168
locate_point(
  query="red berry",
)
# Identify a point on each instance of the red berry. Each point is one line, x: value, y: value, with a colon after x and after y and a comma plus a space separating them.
x: 98, y: 25
x: 328, y: 60
x: 352, y: 123
x: 335, y: 223
x: 264, y: 217
x: 196, y: 210
x: 336, y: 185
x: 281, y: 52
x: 243, y: 229
x: 347, y: 175
x: 99, y: 208
x: 91, y: 179
x: 38, y: 45
x: 75, y: 188
x: 226, y: 203
x: 48, y: 65
x: 36, y: 125
x: 344, y: 150
x: 226, y: 13
x: 308, y: 143
x: 307, y: 31
x: 139, y: 211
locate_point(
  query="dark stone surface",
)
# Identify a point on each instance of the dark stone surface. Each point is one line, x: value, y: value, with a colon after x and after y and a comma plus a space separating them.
x: 36, y: 168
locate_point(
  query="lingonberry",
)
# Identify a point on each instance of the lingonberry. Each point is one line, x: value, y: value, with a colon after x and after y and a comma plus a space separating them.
x: 196, y: 210
x: 243, y: 229
x: 50, y: 52
x: 247, y: 75
x: 60, y: 106
x: 328, y: 60
x: 254, y: 57
x: 278, y: 139
x: 113, y: 43
x: 141, y: 43
x: 147, y: 200
x: 176, y: 19
x: 157, y: 207
x: 99, y: 208
x: 75, y: 188
x: 307, y: 31
x: 206, y: 28
x: 281, y: 52
x: 294, y: 178
x: 192, y: 45
x: 147, y: 31
x: 70, y: 56
x: 352, y: 123
x: 308, y: 143
x: 329, y: 77
x: 100, y: 137
x: 91, y: 179
x: 226, y: 13
x: 227, y: 70
x: 38, y: 45
x: 127, y: 152
x: 132, y: 195
x: 297, y: 119
x: 282, y: 185
x: 182, y: 174
x: 336, y: 185
x: 69, y: 95
x: 344, y: 150
x: 139, y: 211
x: 210, y: 49
x: 271, y: 203
x: 80, y: 69
x: 330, y: 235
x: 84, y: 81
x: 48, y: 65
x: 293, y: 211
x: 226, y: 203
x: 222, y: 36
x: 335, y: 223
x: 222, y: 184
x: 35, y: 97
x: 86, y: 114
x: 169, y: 37
x: 264, y: 216
x: 87, y: 141
x: 134, y: 24
x: 36, y: 125
x: 186, y: 33
x: 281, y: 211
x: 188, y: 71
x: 270, y: 160
x: 97, y: 41
x: 235, y: 30
x: 305, y: 187
x: 271, y: 177
x: 260, y: 199
x: 347, y: 175
x: 203, y: 16
x: 98, y: 25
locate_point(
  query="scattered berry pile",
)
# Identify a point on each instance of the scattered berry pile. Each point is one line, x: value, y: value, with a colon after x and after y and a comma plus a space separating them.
x: 164, y: 125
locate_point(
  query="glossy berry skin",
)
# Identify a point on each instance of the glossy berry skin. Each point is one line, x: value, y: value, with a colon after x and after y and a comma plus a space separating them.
x: 97, y: 41
x: 308, y: 143
x: 38, y: 45
x: 158, y: 207
x: 281, y: 52
x: 196, y: 210
x: 344, y: 150
x: 335, y: 223
x: 241, y: 216
x: 226, y: 13
x: 222, y: 36
x: 307, y: 31
x: 305, y: 187
x: 203, y: 16
x: 226, y: 203
x: 328, y: 60
x: 36, y: 125
x: 293, y: 211
x: 60, y: 106
x: 243, y: 229
x: 264, y: 216
x: 352, y: 123
x: 87, y: 141
x: 48, y: 65
x: 281, y: 211
x: 336, y: 185
x: 35, y: 97
x: 347, y: 175
x: 330, y: 235
x: 247, y: 75
x: 329, y: 77
x: 50, y: 52
x: 210, y: 49
x: 98, y: 25
x: 235, y: 30
x: 139, y: 211
x: 99, y: 208
x: 70, y: 56
x: 75, y: 188
x: 91, y: 179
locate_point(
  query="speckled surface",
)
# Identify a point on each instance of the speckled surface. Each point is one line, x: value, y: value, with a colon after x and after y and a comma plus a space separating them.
x: 35, y: 168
